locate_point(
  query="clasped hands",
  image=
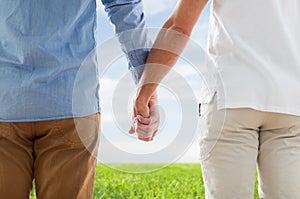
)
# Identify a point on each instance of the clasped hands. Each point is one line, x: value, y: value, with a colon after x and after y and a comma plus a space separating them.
x: 145, y: 117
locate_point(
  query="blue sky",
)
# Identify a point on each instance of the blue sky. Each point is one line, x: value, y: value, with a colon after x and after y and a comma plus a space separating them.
x: 115, y: 141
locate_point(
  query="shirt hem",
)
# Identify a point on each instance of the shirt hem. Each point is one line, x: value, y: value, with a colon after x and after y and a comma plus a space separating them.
x: 48, y: 118
x: 271, y: 109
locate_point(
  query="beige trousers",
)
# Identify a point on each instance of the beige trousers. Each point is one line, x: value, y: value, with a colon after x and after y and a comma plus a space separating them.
x: 57, y: 154
x: 234, y: 141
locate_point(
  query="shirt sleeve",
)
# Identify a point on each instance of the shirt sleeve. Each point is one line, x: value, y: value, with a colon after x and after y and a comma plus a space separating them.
x: 128, y: 18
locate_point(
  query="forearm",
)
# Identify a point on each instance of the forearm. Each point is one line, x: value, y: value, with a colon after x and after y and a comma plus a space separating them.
x: 160, y: 60
x: 169, y: 44
x: 128, y: 18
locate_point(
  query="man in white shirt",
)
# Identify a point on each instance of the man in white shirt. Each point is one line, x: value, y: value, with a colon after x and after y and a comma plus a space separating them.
x: 251, y: 113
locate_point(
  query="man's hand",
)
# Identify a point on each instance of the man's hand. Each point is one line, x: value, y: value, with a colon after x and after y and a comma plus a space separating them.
x: 145, y: 118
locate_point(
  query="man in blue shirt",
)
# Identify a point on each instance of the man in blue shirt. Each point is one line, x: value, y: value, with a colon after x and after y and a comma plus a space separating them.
x: 42, y: 46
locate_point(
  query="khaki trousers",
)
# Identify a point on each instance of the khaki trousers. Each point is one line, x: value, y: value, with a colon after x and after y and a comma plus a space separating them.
x: 58, y: 154
x: 234, y: 141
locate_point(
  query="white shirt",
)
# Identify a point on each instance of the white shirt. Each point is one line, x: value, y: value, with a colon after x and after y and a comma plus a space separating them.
x: 254, y: 46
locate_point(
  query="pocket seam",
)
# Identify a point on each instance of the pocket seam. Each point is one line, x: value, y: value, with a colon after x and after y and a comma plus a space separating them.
x: 5, y: 126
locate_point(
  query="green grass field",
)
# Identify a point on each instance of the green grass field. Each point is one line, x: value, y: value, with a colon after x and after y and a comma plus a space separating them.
x: 177, y: 181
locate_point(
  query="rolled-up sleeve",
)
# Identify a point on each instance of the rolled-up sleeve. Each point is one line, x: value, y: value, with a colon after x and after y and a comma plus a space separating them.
x: 128, y: 18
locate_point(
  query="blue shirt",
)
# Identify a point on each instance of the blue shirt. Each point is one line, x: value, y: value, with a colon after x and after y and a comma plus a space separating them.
x: 42, y: 46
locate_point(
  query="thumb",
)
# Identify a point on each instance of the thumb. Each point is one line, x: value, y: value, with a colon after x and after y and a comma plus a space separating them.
x: 142, y: 108
x: 131, y: 131
x: 143, y: 111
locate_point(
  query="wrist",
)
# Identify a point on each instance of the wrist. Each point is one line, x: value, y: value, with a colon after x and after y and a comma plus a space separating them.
x: 146, y: 91
x: 142, y: 99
